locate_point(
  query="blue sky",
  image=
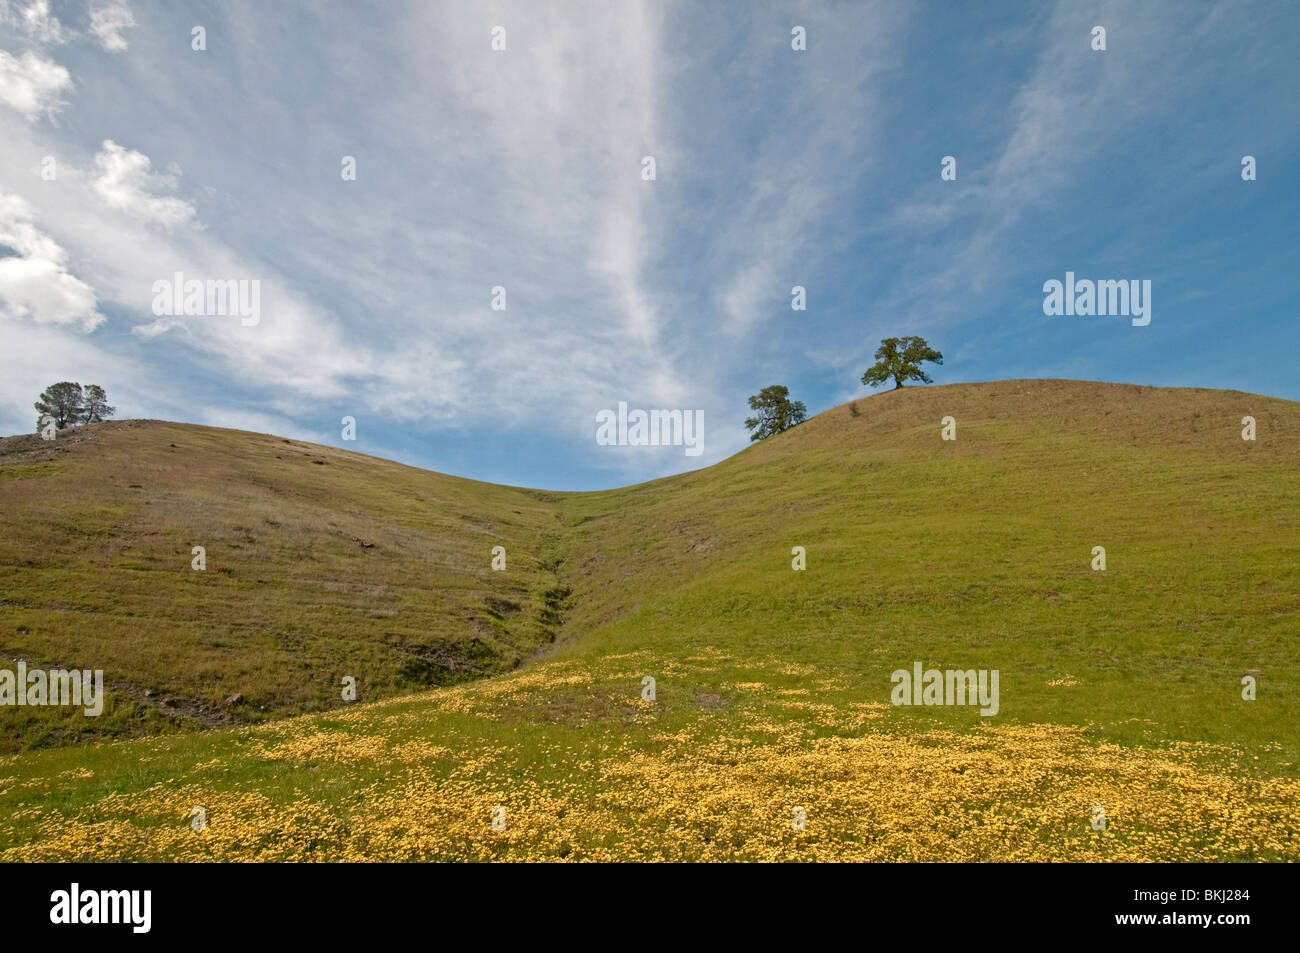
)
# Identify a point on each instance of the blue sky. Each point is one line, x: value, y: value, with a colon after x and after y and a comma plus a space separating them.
x: 522, y: 168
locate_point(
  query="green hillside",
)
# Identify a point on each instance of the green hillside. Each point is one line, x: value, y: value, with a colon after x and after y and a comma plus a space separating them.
x: 320, y: 563
x: 1119, y: 689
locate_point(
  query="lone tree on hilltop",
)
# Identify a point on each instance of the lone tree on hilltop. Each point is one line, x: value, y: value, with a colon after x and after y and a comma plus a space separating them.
x: 69, y: 404
x: 96, y: 406
x: 62, y: 401
x: 776, y: 412
x: 900, y: 358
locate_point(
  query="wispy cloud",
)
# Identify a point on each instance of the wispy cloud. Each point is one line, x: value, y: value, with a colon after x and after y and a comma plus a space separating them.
x: 34, y: 280
x: 127, y: 182
x: 32, y: 84
x: 107, y: 21
x: 34, y: 21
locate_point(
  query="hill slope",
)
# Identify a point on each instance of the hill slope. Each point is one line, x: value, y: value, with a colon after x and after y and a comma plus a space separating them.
x: 977, y: 552
x: 320, y: 563
x: 1119, y: 689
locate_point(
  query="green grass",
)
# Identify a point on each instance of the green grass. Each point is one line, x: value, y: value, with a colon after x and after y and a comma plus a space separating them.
x: 976, y: 553
x: 320, y: 564
x: 772, y: 684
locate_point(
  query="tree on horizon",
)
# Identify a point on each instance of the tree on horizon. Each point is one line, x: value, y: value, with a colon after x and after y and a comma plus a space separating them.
x: 900, y: 358
x: 63, y: 401
x: 776, y: 412
x: 95, y: 408
x: 68, y: 403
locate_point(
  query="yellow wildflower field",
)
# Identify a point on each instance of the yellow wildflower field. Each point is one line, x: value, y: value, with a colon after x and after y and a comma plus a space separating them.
x: 424, y: 778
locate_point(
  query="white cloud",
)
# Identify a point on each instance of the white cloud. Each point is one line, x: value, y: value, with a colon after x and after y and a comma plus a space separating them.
x: 35, y: 283
x: 576, y: 235
x: 299, y: 348
x: 592, y: 77
x: 35, y: 21
x: 126, y: 182
x: 107, y: 23
x: 31, y: 84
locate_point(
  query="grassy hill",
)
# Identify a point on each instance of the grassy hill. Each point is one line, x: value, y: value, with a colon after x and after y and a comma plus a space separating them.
x: 1119, y: 689
x: 320, y: 563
